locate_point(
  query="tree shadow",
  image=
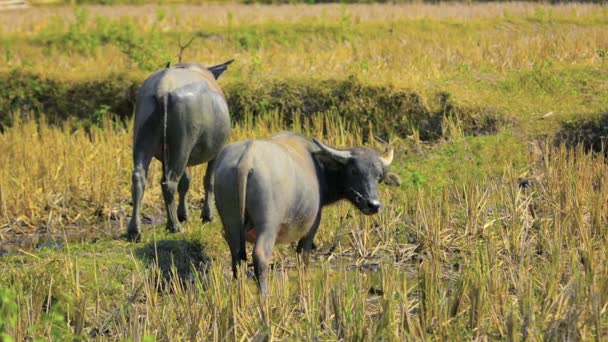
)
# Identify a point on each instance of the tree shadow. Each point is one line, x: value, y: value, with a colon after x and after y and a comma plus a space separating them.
x: 185, y: 259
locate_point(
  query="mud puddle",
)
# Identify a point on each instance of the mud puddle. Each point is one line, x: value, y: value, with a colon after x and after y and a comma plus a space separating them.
x: 16, y: 241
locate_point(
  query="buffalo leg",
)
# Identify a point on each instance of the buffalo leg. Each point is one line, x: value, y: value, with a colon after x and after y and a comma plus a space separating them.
x: 142, y: 156
x: 172, y: 173
x: 169, y: 186
x: 305, y: 245
x: 237, y: 251
x: 206, y: 214
x: 182, y: 189
x: 237, y: 246
x: 234, y: 235
x: 226, y: 194
x: 262, y: 252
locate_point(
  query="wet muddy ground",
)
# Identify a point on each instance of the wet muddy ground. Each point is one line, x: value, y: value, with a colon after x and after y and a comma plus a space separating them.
x: 19, y: 241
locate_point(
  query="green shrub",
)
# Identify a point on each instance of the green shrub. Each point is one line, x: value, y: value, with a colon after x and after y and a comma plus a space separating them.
x: 391, y: 111
x: 28, y: 95
x: 388, y: 109
x: 589, y: 131
x: 9, y: 311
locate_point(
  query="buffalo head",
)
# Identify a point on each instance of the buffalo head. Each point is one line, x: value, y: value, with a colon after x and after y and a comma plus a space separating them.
x: 359, y: 172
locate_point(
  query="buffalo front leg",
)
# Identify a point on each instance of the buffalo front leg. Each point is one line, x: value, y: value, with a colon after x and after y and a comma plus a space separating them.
x: 182, y: 189
x: 206, y: 214
x: 305, y: 245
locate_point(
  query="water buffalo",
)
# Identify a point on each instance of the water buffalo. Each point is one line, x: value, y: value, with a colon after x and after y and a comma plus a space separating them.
x: 181, y: 118
x: 273, y: 191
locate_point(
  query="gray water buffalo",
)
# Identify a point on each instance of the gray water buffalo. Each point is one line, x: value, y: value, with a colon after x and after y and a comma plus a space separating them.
x: 181, y: 118
x: 273, y: 191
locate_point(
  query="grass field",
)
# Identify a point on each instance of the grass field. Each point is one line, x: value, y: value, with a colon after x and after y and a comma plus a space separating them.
x: 521, y: 58
x: 460, y: 251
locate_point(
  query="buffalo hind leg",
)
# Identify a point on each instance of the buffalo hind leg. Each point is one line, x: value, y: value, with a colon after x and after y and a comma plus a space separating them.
x: 233, y: 232
x: 172, y: 173
x: 206, y: 214
x: 138, y: 186
x: 182, y: 189
x: 238, y: 249
x: 238, y: 253
x: 142, y: 156
x: 169, y: 186
x: 230, y: 215
x: 262, y: 253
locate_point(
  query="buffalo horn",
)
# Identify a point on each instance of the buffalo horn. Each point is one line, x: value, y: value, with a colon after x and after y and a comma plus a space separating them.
x: 387, y: 157
x: 341, y: 156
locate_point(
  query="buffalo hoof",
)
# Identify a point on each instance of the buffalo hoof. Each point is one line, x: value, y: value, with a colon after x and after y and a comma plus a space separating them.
x: 207, y: 218
x: 133, y: 231
x: 182, y: 212
x: 182, y: 216
x: 133, y: 236
x: 174, y: 228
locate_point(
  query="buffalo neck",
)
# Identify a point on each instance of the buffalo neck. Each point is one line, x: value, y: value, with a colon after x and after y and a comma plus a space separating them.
x: 330, y: 183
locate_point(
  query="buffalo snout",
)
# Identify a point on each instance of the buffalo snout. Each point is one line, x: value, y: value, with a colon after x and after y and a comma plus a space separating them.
x: 371, y: 207
x: 374, y: 205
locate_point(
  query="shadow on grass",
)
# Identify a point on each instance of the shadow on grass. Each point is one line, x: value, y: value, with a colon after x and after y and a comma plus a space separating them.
x: 590, y: 131
x: 184, y: 259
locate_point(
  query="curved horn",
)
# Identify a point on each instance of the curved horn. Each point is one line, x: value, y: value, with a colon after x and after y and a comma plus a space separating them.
x: 341, y: 156
x: 387, y: 157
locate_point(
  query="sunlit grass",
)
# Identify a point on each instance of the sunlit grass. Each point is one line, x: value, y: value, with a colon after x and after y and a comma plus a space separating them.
x: 521, y: 58
x: 475, y: 257
x: 63, y: 177
x: 459, y: 251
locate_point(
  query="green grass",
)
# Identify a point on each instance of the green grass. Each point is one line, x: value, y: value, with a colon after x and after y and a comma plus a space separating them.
x: 464, y: 160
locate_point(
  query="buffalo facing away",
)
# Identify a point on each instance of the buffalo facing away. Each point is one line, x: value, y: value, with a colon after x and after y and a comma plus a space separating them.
x: 181, y: 118
x: 273, y: 191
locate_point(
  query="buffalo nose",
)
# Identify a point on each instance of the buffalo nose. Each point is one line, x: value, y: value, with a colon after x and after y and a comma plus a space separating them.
x: 374, y: 205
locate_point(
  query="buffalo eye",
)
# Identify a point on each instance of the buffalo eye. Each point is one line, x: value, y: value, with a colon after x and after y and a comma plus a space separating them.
x: 381, y: 175
x: 354, y: 171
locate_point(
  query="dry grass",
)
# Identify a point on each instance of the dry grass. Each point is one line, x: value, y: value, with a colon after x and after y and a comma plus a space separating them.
x: 34, y: 19
x: 402, y: 44
x: 520, y: 58
x: 85, y: 177
x: 472, y: 260
x: 462, y: 252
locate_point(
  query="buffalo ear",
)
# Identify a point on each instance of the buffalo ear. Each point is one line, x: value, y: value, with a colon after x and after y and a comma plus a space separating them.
x: 217, y: 70
x: 327, y: 161
x: 392, y: 179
